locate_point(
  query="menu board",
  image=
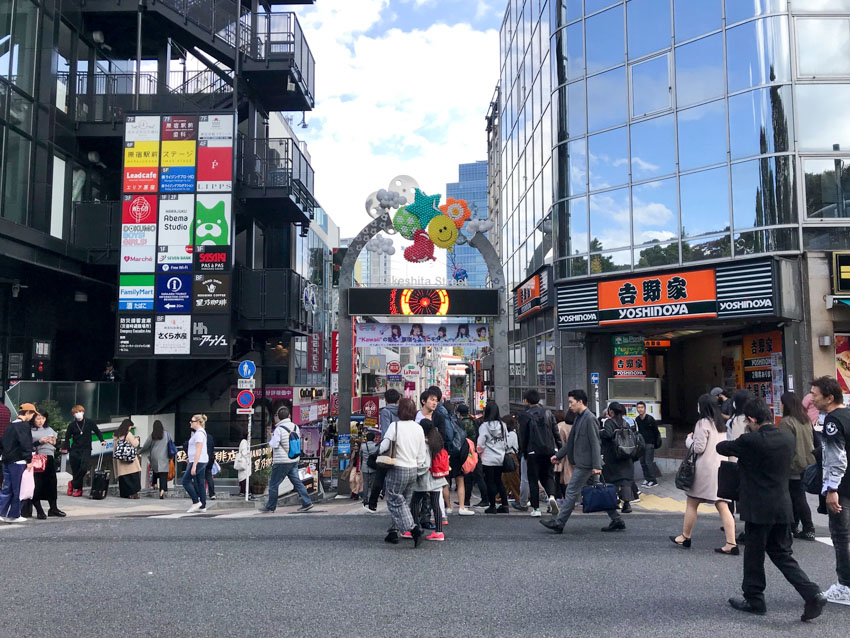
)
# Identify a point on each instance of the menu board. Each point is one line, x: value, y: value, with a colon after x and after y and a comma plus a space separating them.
x: 174, y: 288
x: 764, y: 368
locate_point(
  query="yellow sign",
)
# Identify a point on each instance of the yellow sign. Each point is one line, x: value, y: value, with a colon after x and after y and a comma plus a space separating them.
x: 141, y: 154
x: 181, y: 153
x: 841, y: 273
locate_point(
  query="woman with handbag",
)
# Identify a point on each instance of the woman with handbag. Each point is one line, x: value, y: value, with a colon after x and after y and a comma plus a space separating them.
x: 242, y: 464
x: 708, y: 432
x: 512, y: 480
x: 493, y: 447
x: 796, y: 421
x: 157, y: 448
x: 430, y: 482
x: 44, y: 442
x: 125, y: 460
x: 403, y: 452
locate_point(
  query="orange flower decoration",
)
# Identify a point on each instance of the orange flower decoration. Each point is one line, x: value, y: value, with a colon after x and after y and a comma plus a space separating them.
x: 456, y: 210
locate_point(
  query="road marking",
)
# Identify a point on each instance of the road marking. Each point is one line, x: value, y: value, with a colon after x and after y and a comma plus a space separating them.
x: 179, y: 515
x: 826, y: 540
x: 246, y: 514
x: 667, y: 504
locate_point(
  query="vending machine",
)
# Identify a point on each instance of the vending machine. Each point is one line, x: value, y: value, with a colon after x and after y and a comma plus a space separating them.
x: 629, y: 390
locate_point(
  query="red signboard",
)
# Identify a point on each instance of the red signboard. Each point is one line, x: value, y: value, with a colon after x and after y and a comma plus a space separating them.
x: 139, y: 209
x: 335, y: 351
x: 215, y: 163
x: 394, y: 368
x: 334, y: 405
x: 315, y: 354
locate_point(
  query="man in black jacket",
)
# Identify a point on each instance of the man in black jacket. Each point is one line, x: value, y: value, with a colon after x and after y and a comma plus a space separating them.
x: 16, y: 447
x: 652, y: 437
x: 764, y: 461
x: 538, y: 440
x: 78, y: 444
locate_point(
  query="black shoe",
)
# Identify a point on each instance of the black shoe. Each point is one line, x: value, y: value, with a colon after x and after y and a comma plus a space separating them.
x: 41, y: 516
x: 503, y: 509
x: 305, y: 508
x: 552, y: 524
x: 805, y: 535
x: 212, y: 497
x: 428, y: 525
x: 814, y: 607
x: 732, y: 552
x: 391, y: 537
x: 519, y: 507
x: 742, y: 604
x: 627, y: 508
x: 57, y: 513
x: 615, y: 526
x: 490, y: 510
x: 684, y: 543
x: 481, y: 504
x: 742, y: 538
x: 416, y: 534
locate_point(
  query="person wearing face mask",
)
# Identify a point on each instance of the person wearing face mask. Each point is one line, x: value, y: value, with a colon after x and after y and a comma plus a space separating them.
x: 78, y: 445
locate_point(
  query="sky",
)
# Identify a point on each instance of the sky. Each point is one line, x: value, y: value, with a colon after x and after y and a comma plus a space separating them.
x: 402, y: 87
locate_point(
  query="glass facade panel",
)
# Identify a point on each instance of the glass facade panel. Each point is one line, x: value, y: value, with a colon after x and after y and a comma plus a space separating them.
x: 760, y: 122
x: 576, y: 118
x: 575, y: 267
x: 708, y: 248
x: 694, y: 19
x: 657, y: 255
x: 16, y: 177
x: 5, y: 32
x: 610, y: 262
x: 766, y: 241
x: 653, y: 148
x: 605, y: 40
x: 763, y: 192
x: 705, y: 202
x: 702, y: 135
x: 827, y: 184
x: 575, y: 51
x: 655, y: 212
x: 24, y: 52
x: 648, y: 26
x: 608, y: 159
x: 651, y: 90
x: 823, y: 47
x: 820, y: 5
x: 826, y: 238
x: 699, y: 70
x: 606, y: 99
x: 577, y: 166
x: 822, y: 116
x: 737, y: 10
x: 596, y: 5
x: 758, y: 53
x: 575, y: 214
x: 609, y: 220
x: 20, y: 111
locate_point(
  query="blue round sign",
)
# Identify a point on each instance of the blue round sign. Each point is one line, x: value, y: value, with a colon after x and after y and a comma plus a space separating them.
x: 245, y: 399
x: 247, y: 369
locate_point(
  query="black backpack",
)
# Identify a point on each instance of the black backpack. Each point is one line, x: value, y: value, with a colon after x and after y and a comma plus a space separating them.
x: 628, y: 444
x: 541, y: 440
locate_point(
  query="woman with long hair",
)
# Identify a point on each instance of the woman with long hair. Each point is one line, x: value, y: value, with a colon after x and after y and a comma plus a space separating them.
x: 796, y: 421
x: 243, y: 464
x: 737, y: 425
x: 512, y: 480
x: 708, y: 432
x: 430, y: 484
x: 410, y: 455
x: 44, y: 442
x: 563, y: 468
x: 156, y: 447
x: 492, y: 447
x: 616, y: 470
x: 129, y: 473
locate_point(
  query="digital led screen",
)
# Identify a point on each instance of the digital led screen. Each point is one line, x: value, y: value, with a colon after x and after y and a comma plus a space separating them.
x: 437, y: 302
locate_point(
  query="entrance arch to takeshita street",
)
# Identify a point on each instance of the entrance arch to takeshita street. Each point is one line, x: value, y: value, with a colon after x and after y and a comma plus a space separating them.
x: 426, y: 226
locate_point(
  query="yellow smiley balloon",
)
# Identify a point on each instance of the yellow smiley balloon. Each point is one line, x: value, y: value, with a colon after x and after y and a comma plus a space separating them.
x: 442, y: 231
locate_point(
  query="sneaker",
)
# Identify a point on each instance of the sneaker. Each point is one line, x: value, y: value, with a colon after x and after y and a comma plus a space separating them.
x: 519, y: 507
x: 627, y: 508
x: 482, y: 504
x: 838, y: 593
x: 265, y: 510
x: 644, y: 483
x: 435, y: 536
x: 20, y: 519
x: 369, y: 510
x: 465, y: 512
x: 449, y: 510
x: 650, y: 484
x: 212, y: 497
x: 445, y: 521
x: 490, y: 510
x: 636, y: 499
x: 536, y: 513
x: 196, y: 507
x: 203, y: 510
x: 806, y: 535
x: 406, y: 535
x: 427, y: 525
x: 305, y: 508
x: 553, y: 506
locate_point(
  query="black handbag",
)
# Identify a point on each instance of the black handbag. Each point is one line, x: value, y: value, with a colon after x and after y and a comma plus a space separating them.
x: 509, y: 462
x: 813, y: 479
x: 687, y: 472
x: 728, y: 481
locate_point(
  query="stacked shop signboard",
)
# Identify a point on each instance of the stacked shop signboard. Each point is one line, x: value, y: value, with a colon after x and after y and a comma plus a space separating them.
x: 174, y: 289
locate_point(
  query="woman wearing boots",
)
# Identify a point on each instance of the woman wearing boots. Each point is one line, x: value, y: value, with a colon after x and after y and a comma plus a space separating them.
x: 44, y: 442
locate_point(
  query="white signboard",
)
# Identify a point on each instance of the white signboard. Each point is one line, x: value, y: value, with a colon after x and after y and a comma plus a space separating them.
x: 176, y: 213
x: 410, y: 372
x: 141, y: 128
x: 173, y: 334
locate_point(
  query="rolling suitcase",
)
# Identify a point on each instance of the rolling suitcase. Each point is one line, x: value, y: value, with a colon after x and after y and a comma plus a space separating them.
x: 99, y: 481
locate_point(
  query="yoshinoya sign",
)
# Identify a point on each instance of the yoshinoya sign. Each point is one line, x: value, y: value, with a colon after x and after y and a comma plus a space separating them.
x: 739, y: 290
x: 533, y: 295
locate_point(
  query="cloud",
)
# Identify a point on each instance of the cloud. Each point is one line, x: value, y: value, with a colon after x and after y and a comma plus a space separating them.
x: 390, y: 102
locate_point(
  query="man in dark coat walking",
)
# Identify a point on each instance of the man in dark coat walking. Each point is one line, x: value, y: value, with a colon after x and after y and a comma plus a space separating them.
x: 764, y: 458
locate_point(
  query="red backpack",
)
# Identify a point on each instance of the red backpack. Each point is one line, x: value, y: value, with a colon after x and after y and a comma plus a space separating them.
x: 471, y: 460
x: 440, y: 465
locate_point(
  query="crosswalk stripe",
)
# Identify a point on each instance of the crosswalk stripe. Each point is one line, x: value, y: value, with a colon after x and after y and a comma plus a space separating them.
x: 826, y: 540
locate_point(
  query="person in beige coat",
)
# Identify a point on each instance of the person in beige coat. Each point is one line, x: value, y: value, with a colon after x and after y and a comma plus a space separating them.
x: 128, y: 473
x: 708, y: 432
x: 563, y: 469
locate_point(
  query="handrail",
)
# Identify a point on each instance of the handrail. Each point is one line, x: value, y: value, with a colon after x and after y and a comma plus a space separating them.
x: 273, y: 162
x: 103, y: 400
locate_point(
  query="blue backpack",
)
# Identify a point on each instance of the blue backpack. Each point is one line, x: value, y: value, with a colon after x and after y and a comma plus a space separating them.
x: 294, y: 443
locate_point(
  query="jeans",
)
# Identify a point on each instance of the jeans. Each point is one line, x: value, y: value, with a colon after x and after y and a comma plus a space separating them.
x: 194, y: 485
x: 281, y: 471
x: 209, y: 478
x: 839, y: 530
x: 493, y: 476
x: 572, y: 494
x: 540, y: 469
x: 10, y: 501
x: 377, y: 485
x: 523, y: 482
x: 366, y: 492
x: 647, y: 463
x: 776, y: 541
x: 802, y: 513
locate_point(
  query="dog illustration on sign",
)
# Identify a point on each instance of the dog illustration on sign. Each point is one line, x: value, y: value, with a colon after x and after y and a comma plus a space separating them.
x: 211, y: 228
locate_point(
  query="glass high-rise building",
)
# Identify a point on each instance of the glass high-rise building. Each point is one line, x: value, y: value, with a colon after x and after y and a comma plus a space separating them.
x: 705, y: 141
x: 471, y: 187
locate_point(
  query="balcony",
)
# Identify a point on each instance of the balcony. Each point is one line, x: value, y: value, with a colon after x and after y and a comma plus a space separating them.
x: 96, y: 228
x: 276, y: 60
x: 270, y: 299
x: 275, y: 180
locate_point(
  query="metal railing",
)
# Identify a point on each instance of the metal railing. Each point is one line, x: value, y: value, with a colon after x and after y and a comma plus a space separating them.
x: 271, y: 296
x: 216, y: 17
x: 274, y: 163
x: 279, y: 35
x: 103, y: 401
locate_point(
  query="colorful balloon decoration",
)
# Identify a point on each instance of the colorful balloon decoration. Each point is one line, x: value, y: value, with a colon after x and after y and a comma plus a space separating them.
x: 424, y: 207
x: 406, y: 223
x: 442, y: 231
x: 422, y: 249
x: 456, y: 210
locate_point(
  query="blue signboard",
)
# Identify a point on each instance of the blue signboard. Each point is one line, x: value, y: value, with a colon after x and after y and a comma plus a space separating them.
x: 247, y: 369
x: 174, y: 293
x: 177, y: 179
x: 594, y: 378
x: 344, y: 444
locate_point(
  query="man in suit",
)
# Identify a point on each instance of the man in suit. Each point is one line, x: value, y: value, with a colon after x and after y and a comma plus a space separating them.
x: 764, y: 457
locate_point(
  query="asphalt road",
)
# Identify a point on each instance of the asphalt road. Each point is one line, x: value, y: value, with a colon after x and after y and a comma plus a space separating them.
x: 326, y: 575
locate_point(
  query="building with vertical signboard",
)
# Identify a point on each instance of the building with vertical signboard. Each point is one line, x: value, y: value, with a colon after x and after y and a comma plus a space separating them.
x: 157, y: 208
x: 682, y: 167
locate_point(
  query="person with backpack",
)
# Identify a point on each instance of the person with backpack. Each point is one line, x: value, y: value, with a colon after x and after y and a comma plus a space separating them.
x: 125, y: 459
x: 796, y: 421
x: 538, y: 441
x: 286, y: 452
x: 457, y: 447
x: 492, y: 448
x: 429, y: 484
x: 367, y: 449
x: 618, y: 453
x: 476, y: 477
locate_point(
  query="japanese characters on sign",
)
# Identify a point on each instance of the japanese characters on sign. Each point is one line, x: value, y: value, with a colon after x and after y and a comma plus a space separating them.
x: 532, y: 296
x: 629, y: 356
x: 315, y: 353
x: 764, y: 373
x: 176, y: 236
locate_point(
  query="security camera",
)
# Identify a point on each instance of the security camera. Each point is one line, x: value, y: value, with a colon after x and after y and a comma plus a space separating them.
x: 16, y: 289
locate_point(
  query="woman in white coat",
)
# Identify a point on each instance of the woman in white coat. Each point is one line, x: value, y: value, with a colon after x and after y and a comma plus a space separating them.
x: 243, y: 465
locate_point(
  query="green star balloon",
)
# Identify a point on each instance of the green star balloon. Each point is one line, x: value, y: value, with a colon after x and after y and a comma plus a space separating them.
x: 406, y: 223
x: 425, y: 207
